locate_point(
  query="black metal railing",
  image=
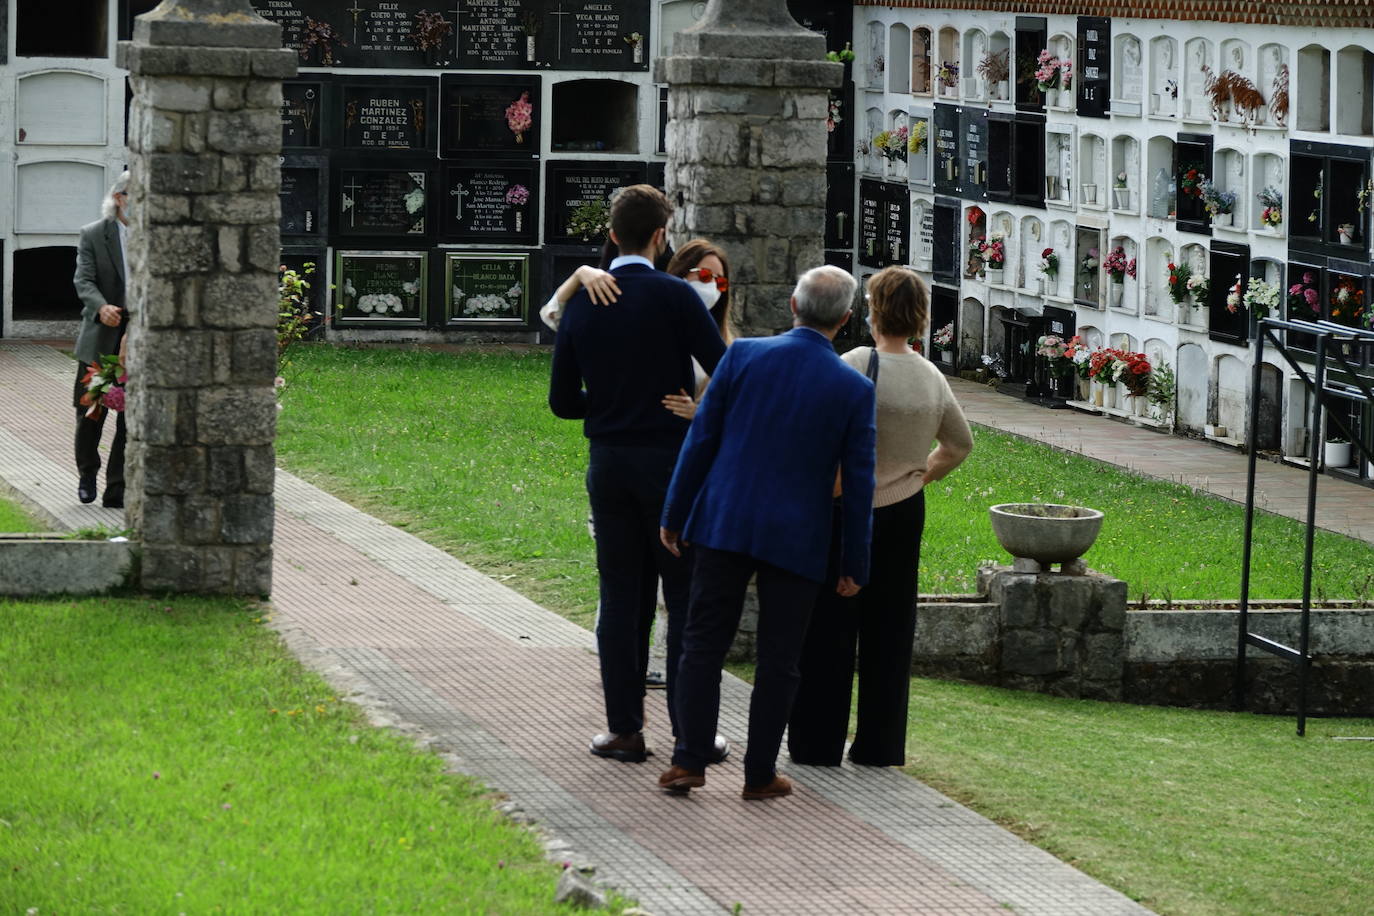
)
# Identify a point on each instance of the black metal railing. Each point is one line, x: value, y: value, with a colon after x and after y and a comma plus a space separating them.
x: 1330, y: 339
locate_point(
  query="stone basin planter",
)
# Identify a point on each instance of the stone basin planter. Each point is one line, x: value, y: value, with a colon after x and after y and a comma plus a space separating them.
x: 51, y: 564
x: 1038, y: 534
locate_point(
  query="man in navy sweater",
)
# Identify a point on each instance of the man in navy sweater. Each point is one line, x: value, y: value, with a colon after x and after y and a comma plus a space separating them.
x: 612, y: 366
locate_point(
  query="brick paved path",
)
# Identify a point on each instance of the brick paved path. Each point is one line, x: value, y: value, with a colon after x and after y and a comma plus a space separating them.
x: 511, y: 692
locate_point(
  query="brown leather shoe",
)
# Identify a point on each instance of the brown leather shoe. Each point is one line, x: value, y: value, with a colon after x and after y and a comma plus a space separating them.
x: 680, y: 780
x: 779, y: 787
x: 625, y: 748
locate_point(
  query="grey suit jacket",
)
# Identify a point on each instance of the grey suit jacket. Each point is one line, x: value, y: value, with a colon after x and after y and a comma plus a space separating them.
x: 99, y: 280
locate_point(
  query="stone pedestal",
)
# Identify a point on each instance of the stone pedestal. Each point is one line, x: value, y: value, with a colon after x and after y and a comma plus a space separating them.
x: 748, y: 98
x: 204, y: 142
x: 1059, y: 634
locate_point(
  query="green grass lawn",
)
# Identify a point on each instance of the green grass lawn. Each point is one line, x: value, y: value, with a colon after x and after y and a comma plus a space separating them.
x: 170, y: 756
x: 461, y: 449
x: 14, y: 519
x: 1189, y: 811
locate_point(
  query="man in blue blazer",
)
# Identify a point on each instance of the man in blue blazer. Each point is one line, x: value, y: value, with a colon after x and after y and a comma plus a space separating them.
x: 612, y: 367
x: 753, y: 494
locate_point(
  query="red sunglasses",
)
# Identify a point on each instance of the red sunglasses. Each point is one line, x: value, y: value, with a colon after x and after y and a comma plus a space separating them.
x: 705, y: 276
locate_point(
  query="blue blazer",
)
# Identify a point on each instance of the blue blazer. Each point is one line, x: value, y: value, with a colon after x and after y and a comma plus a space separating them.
x: 757, y: 471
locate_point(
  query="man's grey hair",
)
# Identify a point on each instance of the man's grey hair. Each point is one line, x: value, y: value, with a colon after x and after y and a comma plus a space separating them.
x: 824, y: 296
x: 107, y: 206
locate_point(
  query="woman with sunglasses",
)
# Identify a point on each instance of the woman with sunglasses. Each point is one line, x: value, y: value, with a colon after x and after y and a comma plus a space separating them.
x: 915, y: 410
x: 703, y: 265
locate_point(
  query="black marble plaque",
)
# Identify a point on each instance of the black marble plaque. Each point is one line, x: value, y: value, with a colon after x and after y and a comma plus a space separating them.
x: 386, y: 34
x: 579, y: 195
x: 1093, y: 73
x: 496, y: 34
x: 380, y: 288
x: 381, y: 202
x: 871, y: 228
x: 310, y: 264
x: 595, y: 34
x: 839, y: 204
x: 301, y: 107
x: 973, y: 123
x: 490, y: 202
x: 896, y: 224
x: 948, y: 164
x: 491, y: 117
x: 389, y: 115
x: 303, y: 186
x: 486, y: 287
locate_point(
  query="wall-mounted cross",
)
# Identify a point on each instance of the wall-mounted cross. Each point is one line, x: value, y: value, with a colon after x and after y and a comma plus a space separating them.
x: 560, y: 14
x: 350, y: 200
x: 355, y: 10
x: 458, y: 105
x: 458, y: 192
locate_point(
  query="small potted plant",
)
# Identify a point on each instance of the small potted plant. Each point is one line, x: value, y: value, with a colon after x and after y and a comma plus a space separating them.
x: 995, y: 69
x: 948, y: 78
x: 994, y: 252
x: 1218, y: 203
x: 1336, y: 451
x: 1121, y: 192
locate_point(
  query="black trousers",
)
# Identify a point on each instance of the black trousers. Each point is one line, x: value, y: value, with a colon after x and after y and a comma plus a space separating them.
x: 626, y: 486
x: 88, y: 434
x: 881, y: 620
x: 719, y: 580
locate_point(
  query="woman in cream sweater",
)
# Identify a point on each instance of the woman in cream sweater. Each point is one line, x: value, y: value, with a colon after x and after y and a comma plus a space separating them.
x: 916, y: 409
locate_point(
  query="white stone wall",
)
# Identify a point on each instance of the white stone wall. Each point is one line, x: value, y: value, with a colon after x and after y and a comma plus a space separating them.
x: 1329, y: 89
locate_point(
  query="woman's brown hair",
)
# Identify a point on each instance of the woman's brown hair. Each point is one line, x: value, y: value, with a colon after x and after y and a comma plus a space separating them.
x: 689, y: 256
x: 898, y: 302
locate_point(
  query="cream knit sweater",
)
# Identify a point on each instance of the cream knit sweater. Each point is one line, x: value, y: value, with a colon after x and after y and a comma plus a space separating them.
x: 915, y: 409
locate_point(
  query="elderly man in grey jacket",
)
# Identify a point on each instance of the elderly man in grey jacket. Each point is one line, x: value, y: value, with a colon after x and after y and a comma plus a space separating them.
x: 101, y: 269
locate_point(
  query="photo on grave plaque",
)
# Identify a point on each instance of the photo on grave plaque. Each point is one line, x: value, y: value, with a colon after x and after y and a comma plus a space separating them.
x: 304, y: 183
x: 579, y: 199
x: 382, y: 202
x: 595, y: 34
x: 387, y: 115
x: 486, y: 287
x: 301, y: 104
x: 380, y: 288
x: 490, y: 116
x: 490, y: 202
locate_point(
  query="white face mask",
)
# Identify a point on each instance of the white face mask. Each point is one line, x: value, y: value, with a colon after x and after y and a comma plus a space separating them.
x: 707, y: 291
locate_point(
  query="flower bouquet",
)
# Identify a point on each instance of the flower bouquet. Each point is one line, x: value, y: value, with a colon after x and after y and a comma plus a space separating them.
x: 1047, y: 71
x: 1235, y: 296
x: 892, y: 144
x: 1261, y: 297
x: 104, y: 381
x: 1200, y: 288
x: 1103, y: 365
x: 1049, y: 263
x: 1190, y: 180
x: 1135, y: 374
x: 380, y: 303
x: 833, y: 116
x: 1116, y: 264
x: 1054, y: 349
x: 943, y: 339
x: 920, y: 135
x: 993, y: 252
x: 1347, y: 302
x: 1179, y: 275
x: 1303, y: 298
x: 1077, y: 352
x: 590, y: 220
x: 1271, y: 199
x: 520, y: 116
x: 1218, y: 203
x: 948, y: 75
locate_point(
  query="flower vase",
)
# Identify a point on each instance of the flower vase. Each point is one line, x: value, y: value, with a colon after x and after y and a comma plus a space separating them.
x: 1004, y: 90
x: 1137, y: 405
x: 519, y: 221
x: 639, y: 53
x: 1065, y: 98
x: 1122, y: 197
x: 1109, y: 396
x: 1099, y: 393
x: 1346, y: 233
x: 995, y: 275
x: 1184, y: 312
x: 1051, y: 187
x: 529, y: 48
x: 1040, y: 286
x: 1090, y: 194
x: 1115, y: 291
x: 1084, y: 389
x: 1221, y: 219
x: 1336, y: 454
x: 947, y: 357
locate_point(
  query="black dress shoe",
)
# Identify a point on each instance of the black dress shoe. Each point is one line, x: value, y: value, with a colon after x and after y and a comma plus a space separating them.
x: 113, y: 501
x: 720, y: 749
x: 625, y: 748
x: 85, y: 491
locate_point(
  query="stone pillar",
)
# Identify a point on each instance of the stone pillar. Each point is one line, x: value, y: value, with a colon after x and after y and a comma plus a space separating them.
x: 204, y: 141
x: 748, y: 95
